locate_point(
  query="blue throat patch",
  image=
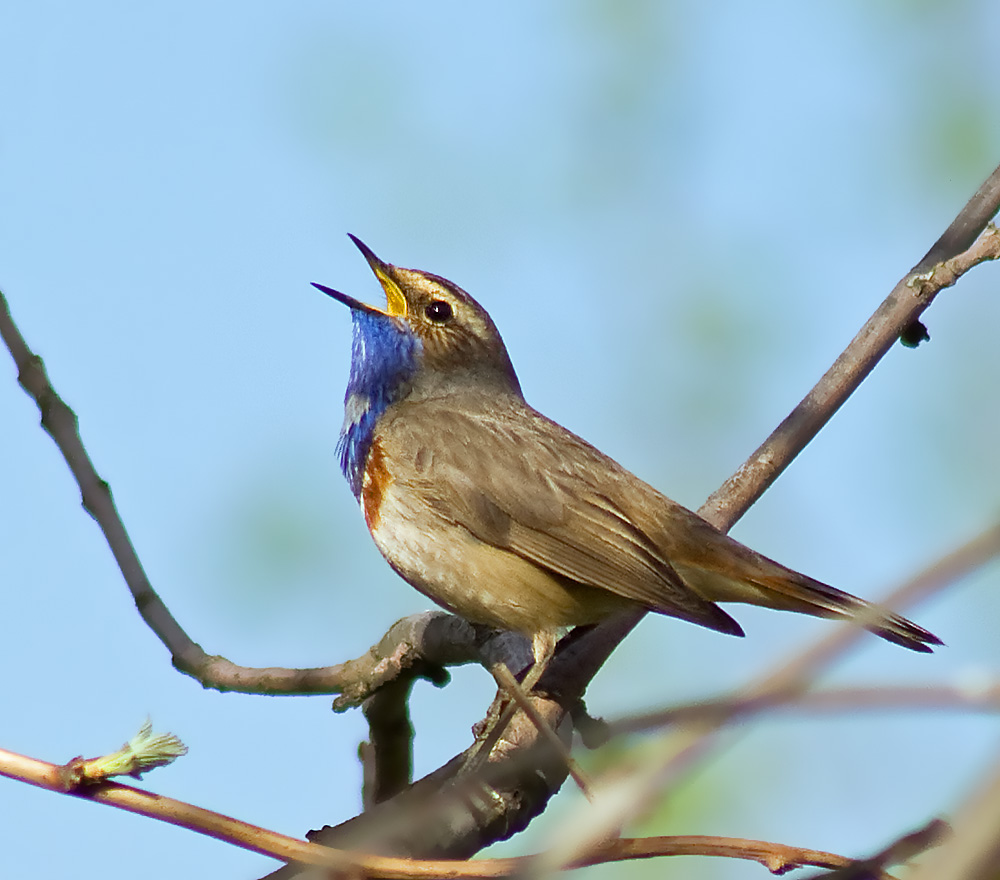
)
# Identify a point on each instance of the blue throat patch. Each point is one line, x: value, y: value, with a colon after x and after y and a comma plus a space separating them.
x: 384, y: 355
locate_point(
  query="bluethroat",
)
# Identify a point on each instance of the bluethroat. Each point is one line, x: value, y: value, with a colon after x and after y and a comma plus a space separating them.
x: 506, y: 518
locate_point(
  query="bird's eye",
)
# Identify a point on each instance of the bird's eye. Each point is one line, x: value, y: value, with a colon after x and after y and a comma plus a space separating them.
x: 438, y: 311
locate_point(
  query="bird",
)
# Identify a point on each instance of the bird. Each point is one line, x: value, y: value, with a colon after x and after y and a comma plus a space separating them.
x: 504, y: 517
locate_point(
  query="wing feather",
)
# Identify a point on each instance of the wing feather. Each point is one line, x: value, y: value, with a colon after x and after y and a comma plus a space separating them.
x: 530, y: 487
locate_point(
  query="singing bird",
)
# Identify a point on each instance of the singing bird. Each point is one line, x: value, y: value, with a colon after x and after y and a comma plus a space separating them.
x: 506, y: 518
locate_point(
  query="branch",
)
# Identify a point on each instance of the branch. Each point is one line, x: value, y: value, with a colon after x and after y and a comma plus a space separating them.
x: 907, y: 301
x: 777, y: 858
x: 975, y: 697
x: 61, y: 424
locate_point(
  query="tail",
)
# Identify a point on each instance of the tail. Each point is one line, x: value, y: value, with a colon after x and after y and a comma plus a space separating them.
x: 797, y: 592
x: 762, y: 581
x: 821, y: 600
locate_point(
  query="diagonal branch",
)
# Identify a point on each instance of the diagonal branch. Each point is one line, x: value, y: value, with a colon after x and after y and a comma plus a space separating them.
x: 61, y: 424
x: 975, y: 697
x: 907, y: 301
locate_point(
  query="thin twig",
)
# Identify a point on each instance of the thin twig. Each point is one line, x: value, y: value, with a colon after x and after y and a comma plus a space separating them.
x: 905, y: 304
x: 885, y: 698
x: 61, y: 424
x: 512, y: 687
x: 777, y: 858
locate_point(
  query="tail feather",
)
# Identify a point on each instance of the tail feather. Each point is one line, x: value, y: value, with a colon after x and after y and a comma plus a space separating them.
x: 720, y: 569
x: 807, y: 596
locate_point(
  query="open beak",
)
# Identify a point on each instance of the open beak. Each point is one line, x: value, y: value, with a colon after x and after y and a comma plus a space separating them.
x: 395, y: 301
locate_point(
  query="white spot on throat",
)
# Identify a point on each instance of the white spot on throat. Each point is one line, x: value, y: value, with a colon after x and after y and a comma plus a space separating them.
x: 355, y: 408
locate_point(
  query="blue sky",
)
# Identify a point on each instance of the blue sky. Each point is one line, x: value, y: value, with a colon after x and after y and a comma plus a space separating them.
x: 677, y: 214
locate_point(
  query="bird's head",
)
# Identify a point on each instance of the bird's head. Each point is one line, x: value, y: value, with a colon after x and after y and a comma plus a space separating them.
x: 450, y: 338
